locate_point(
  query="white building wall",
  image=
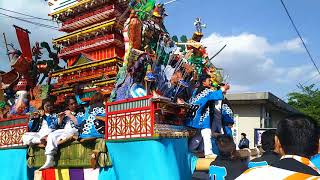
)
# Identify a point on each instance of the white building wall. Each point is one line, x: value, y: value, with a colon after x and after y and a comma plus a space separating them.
x: 276, y: 116
x: 248, y: 119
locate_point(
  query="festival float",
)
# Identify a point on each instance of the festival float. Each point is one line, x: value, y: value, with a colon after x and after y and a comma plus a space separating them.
x: 147, y: 77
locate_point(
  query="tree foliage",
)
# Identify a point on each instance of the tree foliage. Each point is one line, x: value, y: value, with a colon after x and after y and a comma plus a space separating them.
x: 307, y: 101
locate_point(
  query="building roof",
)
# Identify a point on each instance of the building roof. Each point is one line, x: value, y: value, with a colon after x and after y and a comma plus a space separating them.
x: 267, y: 98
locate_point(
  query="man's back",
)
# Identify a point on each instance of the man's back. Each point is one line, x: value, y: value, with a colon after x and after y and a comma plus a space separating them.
x: 291, y: 164
x: 227, y: 168
x: 270, y: 157
x: 269, y: 172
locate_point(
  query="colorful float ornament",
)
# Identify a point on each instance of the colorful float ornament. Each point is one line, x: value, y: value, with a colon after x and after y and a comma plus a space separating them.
x: 158, y: 11
x: 21, y: 85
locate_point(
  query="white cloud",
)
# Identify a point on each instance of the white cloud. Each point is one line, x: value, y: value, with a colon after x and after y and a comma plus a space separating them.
x: 252, y: 44
x: 247, y: 60
x: 293, y: 45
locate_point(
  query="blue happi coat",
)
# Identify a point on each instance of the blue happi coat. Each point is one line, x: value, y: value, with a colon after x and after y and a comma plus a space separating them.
x: 34, y: 125
x: 227, y: 118
x: 92, y: 127
x: 200, y: 115
x: 79, y: 116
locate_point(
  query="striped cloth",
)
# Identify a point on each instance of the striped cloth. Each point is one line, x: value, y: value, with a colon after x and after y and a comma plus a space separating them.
x: 76, y: 174
x: 62, y: 174
x: 303, y: 160
x: 269, y: 172
x: 67, y: 174
x: 48, y: 174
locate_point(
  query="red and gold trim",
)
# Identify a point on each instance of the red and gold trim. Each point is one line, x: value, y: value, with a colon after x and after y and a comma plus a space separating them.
x: 76, y: 69
x: 105, y: 86
x: 85, y: 33
x: 87, y: 76
x: 101, y: 14
x: 84, y: 6
x: 91, y: 45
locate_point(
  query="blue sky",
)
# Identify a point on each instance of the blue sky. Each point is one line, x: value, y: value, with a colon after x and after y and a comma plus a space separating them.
x: 262, y: 53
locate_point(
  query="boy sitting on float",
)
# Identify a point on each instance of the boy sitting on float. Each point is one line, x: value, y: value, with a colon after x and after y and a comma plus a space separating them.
x: 67, y: 126
x: 41, y: 123
x: 93, y: 125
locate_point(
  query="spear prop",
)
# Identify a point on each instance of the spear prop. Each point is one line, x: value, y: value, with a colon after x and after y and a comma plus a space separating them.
x: 6, y: 44
x: 217, y: 52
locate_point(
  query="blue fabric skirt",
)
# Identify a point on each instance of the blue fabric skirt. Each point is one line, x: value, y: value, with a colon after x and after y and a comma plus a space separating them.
x: 166, y: 159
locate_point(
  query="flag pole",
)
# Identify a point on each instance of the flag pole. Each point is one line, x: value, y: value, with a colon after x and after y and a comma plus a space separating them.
x: 22, y: 29
x: 6, y: 44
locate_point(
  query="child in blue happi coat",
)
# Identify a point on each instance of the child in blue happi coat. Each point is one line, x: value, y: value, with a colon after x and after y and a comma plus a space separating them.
x: 93, y: 125
x: 41, y: 123
x: 67, y: 126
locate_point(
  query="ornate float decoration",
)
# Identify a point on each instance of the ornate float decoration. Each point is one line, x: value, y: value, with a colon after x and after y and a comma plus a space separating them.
x: 11, y: 131
x: 145, y: 117
x: 93, y: 47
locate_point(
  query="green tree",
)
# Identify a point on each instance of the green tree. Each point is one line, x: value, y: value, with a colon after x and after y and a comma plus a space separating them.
x: 307, y: 101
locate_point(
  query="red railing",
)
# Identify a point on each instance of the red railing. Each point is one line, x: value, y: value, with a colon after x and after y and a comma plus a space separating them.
x: 90, y: 45
x: 130, y: 118
x: 11, y: 131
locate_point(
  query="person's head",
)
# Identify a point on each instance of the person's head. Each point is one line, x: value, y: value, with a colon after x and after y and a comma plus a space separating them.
x: 243, y: 135
x: 71, y: 103
x: 297, y: 135
x: 226, y: 146
x: 176, y: 77
x: 96, y: 98
x: 267, y: 140
x: 48, y: 106
x: 206, y: 80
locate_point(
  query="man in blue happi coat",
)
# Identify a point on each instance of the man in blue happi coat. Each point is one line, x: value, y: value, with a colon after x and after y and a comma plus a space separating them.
x: 199, y: 117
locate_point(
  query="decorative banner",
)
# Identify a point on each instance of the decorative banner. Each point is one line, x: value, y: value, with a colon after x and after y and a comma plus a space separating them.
x: 235, y: 128
x: 23, y: 38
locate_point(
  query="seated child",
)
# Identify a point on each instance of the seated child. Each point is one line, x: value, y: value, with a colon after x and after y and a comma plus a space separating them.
x: 40, y: 125
x: 93, y: 125
x: 67, y: 126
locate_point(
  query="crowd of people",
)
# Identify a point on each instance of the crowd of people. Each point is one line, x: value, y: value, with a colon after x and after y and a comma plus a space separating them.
x: 290, y: 152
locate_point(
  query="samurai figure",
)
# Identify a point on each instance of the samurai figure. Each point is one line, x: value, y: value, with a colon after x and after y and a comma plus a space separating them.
x: 198, y: 24
x: 199, y: 116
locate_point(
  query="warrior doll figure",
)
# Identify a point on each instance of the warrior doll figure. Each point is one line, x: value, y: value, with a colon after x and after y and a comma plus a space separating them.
x: 199, y: 117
